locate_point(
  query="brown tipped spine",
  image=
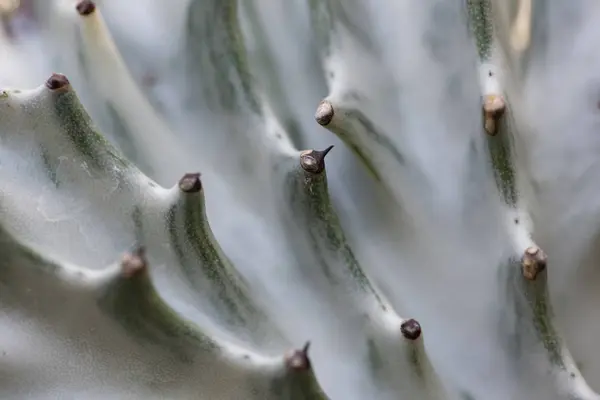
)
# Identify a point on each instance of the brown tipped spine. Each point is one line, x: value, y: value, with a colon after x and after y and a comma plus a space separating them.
x: 313, y: 161
x: 297, y: 360
x: 86, y: 7
x: 190, y: 183
x: 57, y: 82
x: 493, y: 109
x: 533, y: 262
x: 134, y: 263
x: 411, y: 329
x: 324, y: 113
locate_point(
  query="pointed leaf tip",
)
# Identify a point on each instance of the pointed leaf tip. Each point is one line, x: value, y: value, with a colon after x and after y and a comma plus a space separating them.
x: 533, y: 261
x: 298, y: 360
x: 313, y: 161
x: 134, y: 262
x: 324, y: 113
x: 57, y: 81
x: 327, y: 150
x: 411, y: 329
x: 493, y: 109
x: 190, y: 183
x: 86, y: 7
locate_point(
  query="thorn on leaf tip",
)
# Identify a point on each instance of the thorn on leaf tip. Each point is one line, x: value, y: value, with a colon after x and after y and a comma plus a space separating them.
x: 133, y: 262
x: 324, y: 113
x: 314, y: 160
x: 411, y: 329
x: 533, y: 261
x: 57, y: 81
x: 493, y: 108
x: 298, y: 360
x: 86, y: 7
x: 190, y: 183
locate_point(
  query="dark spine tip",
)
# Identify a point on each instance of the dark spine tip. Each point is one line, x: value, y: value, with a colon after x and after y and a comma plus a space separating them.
x: 134, y: 262
x: 533, y: 262
x: 190, y: 183
x: 327, y: 150
x: 411, y: 329
x: 86, y: 7
x: 57, y: 81
x: 306, y: 348
x: 313, y: 161
x: 324, y: 113
x: 298, y: 360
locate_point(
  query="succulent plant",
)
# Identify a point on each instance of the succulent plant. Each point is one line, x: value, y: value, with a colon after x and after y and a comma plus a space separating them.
x: 423, y: 257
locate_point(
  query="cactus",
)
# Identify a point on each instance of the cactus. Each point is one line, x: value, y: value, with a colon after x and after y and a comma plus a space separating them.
x: 303, y: 200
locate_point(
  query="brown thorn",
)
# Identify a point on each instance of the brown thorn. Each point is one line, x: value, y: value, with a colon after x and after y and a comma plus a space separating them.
x: 86, y: 7
x: 493, y: 108
x: 313, y: 161
x: 57, y: 82
x: 411, y: 329
x: 190, y: 183
x: 324, y: 113
x: 533, y: 261
x: 134, y: 262
x: 490, y: 126
x: 298, y: 360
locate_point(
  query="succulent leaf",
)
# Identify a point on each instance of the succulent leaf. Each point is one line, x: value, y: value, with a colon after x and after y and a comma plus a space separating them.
x: 124, y: 310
